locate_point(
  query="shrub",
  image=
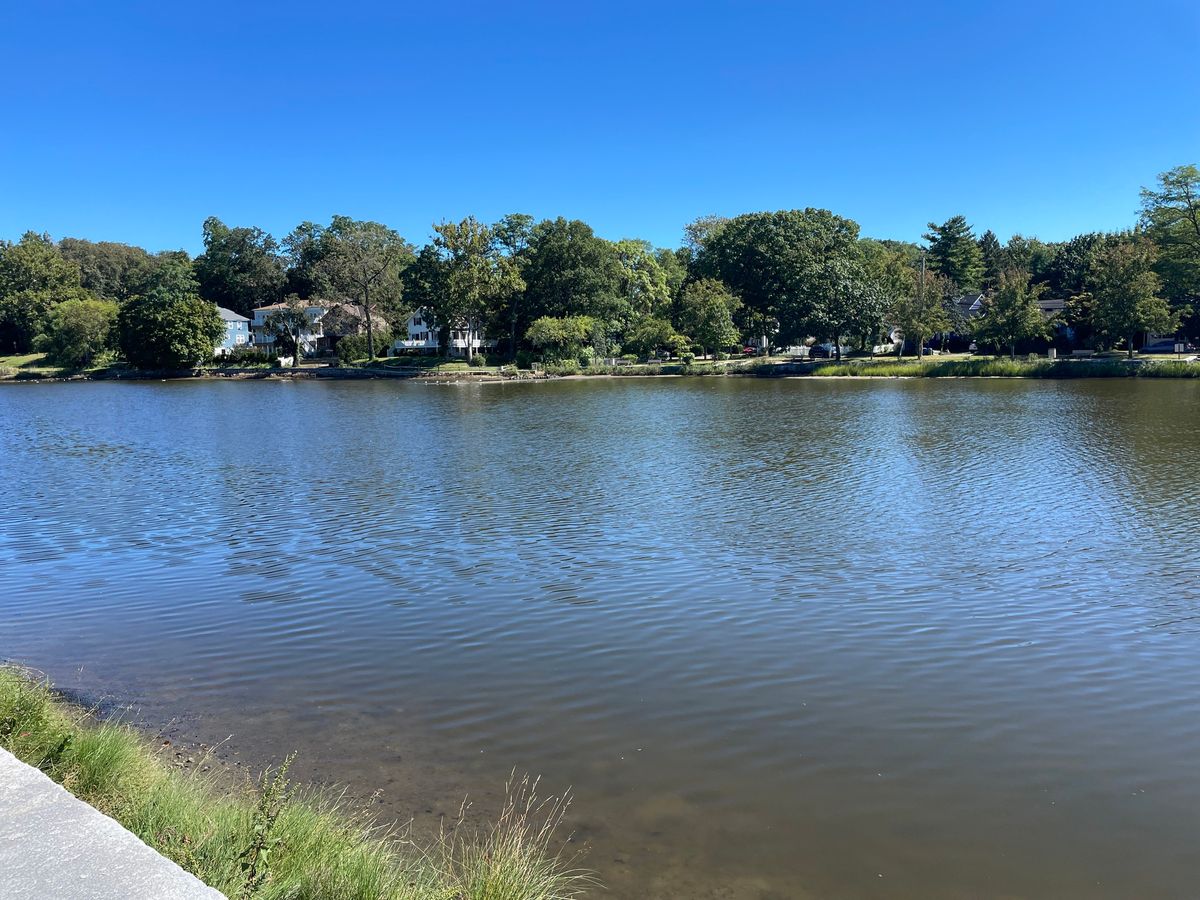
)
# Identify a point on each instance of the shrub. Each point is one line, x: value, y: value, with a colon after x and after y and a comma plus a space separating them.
x: 525, y: 359
x: 354, y: 346
x: 687, y: 357
x: 478, y: 361
x: 565, y: 367
x: 244, y: 357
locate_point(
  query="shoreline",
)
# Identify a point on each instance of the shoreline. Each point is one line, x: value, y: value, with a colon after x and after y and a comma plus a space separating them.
x: 858, y: 369
x: 267, y: 835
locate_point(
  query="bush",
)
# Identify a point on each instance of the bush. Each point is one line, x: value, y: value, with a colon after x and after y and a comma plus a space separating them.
x: 478, y: 361
x: 565, y: 367
x: 245, y: 357
x: 525, y: 359
x: 354, y: 346
x: 78, y: 332
x: 687, y: 357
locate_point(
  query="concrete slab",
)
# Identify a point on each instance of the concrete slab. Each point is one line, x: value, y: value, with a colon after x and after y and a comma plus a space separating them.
x: 53, y: 845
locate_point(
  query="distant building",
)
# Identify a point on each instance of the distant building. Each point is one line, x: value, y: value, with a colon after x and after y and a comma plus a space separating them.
x: 311, y: 339
x: 970, y: 305
x: 421, y: 337
x: 237, y: 332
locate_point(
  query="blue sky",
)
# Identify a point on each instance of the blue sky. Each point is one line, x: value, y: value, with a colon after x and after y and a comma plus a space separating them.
x: 133, y: 121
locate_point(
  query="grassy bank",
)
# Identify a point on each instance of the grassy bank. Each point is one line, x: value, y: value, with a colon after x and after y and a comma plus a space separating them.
x: 1007, y: 368
x: 271, y: 840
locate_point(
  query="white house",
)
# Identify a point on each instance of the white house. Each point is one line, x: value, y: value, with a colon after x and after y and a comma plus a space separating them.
x: 237, y: 332
x: 310, y: 338
x: 422, y: 337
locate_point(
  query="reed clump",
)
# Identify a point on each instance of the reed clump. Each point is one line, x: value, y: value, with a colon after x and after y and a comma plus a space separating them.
x: 273, y: 840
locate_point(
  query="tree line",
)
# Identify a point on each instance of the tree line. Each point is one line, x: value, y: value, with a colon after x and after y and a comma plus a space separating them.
x: 553, y: 289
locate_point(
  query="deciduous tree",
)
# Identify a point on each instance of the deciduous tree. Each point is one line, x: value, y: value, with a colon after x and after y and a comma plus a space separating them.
x: 240, y: 268
x: 1126, y: 294
x: 1011, y: 313
x: 78, y: 331
x: 169, y: 326
x: 363, y: 261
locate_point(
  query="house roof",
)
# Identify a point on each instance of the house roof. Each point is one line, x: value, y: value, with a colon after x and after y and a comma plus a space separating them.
x: 230, y: 316
x: 284, y: 306
x: 1051, y: 304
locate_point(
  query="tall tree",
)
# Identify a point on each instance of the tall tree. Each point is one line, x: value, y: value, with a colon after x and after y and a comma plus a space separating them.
x: 698, y: 232
x: 513, y: 234
x: 570, y: 271
x: 920, y: 311
x: 476, y: 277
x: 768, y: 259
x: 240, y: 268
x: 642, y: 281
x: 1126, y: 294
x: 954, y: 253
x: 1011, y: 313
x: 109, y: 270
x: 706, y: 312
x: 169, y: 326
x: 1171, y: 216
x: 34, y: 276
x: 992, y: 254
x: 363, y: 261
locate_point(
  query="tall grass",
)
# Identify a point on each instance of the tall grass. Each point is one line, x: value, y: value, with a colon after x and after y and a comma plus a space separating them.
x: 275, y: 842
x: 1003, y: 368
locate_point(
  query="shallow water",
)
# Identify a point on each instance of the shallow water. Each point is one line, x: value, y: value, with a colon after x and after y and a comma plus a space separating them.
x: 790, y: 638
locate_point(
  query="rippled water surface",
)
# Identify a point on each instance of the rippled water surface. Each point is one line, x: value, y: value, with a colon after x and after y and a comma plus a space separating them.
x: 795, y: 638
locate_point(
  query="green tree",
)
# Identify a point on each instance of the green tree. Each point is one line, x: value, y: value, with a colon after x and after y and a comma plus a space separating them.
x: 476, y: 278
x: 109, y: 270
x: 364, y: 261
x: 169, y: 326
x: 1171, y: 216
x: 34, y: 276
x: 560, y: 338
x: 1029, y: 255
x: 920, y: 310
x: 992, y: 254
x: 240, y: 268
x: 642, y: 281
x: 570, y: 272
x: 78, y: 331
x: 651, y: 336
x: 1125, y: 292
x: 768, y: 260
x: 954, y: 253
x: 305, y: 249
x: 697, y: 233
x: 513, y: 234
x: 706, y: 311
x: 1011, y: 313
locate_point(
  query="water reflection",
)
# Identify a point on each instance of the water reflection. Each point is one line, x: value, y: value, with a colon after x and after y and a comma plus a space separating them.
x: 786, y: 638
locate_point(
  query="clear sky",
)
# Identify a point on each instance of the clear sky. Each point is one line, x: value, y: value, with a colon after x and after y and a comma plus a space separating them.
x: 133, y: 121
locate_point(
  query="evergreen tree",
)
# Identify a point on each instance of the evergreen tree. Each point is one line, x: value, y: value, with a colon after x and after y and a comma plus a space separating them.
x: 993, y: 260
x: 954, y: 252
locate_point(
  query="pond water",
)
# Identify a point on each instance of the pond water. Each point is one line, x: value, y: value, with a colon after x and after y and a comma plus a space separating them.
x: 785, y: 638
